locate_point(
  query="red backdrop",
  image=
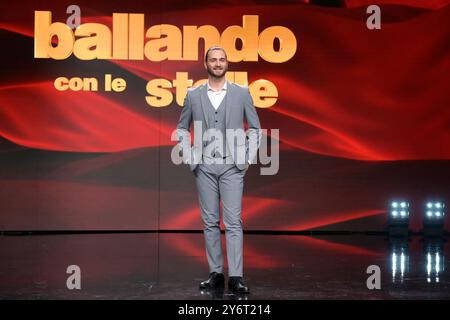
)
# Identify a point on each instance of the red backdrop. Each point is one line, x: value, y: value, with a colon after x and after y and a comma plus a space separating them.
x: 363, y: 116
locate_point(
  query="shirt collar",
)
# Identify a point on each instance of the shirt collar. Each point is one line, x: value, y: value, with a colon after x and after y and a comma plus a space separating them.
x: 223, y: 88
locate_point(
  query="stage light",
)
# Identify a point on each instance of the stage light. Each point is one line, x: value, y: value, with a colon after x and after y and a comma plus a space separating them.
x: 433, y: 223
x: 398, y: 218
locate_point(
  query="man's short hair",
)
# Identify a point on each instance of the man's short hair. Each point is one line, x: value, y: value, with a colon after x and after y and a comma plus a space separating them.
x: 214, y: 48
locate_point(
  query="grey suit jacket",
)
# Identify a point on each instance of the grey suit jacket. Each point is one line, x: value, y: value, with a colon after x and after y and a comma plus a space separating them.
x: 239, y: 106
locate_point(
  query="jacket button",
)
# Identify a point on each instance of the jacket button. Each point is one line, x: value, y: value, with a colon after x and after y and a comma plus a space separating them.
x: 216, y: 121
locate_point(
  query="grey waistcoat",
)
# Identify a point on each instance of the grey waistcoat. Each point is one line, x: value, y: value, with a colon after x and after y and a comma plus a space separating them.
x: 216, y: 120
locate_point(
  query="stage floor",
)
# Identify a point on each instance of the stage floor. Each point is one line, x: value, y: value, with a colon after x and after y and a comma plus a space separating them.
x: 170, y: 266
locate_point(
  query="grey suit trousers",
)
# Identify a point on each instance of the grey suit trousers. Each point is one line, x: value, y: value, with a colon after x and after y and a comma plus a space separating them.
x: 224, y: 182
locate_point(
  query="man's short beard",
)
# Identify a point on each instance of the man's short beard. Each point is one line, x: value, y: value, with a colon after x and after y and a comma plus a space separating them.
x: 211, y: 73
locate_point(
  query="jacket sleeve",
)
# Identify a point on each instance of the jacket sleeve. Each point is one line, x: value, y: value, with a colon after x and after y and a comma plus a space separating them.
x: 183, y: 130
x: 254, y: 127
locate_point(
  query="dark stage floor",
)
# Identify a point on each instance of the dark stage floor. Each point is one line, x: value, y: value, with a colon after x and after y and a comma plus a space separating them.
x: 169, y: 266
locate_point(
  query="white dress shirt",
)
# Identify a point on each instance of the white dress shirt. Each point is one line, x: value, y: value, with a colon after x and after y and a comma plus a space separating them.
x: 216, y: 97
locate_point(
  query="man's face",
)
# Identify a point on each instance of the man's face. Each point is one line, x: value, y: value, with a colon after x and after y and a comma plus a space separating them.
x: 216, y: 64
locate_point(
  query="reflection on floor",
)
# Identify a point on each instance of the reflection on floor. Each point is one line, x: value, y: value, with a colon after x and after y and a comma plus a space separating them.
x: 170, y: 266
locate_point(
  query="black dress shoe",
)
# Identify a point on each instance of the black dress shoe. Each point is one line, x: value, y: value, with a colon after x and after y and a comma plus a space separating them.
x: 237, y: 285
x: 215, y: 281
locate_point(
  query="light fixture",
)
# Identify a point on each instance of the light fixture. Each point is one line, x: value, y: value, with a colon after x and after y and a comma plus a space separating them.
x: 434, y: 217
x: 398, y: 219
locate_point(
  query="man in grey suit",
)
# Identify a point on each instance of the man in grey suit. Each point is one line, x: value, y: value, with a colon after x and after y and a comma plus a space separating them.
x: 219, y: 160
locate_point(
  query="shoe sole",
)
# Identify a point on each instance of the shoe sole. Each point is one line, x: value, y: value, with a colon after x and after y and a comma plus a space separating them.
x: 235, y: 292
x: 219, y: 286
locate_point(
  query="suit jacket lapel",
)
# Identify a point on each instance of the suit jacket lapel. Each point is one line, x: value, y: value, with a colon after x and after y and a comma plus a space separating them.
x: 203, y: 97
